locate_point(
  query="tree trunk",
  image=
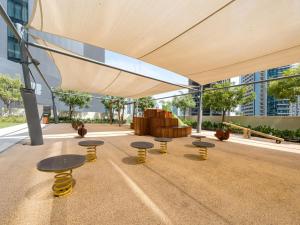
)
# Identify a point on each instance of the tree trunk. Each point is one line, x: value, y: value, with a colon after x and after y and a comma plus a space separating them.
x: 297, y: 107
x: 70, y: 112
x: 223, y: 116
x: 8, y: 108
x: 110, y: 114
x: 184, y: 112
x: 122, y: 114
x: 119, y: 116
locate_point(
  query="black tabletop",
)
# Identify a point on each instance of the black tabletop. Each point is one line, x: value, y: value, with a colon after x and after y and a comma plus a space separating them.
x: 203, y: 144
x: 198, y: 136
x: 141, y: 144
x: 91, y: 143
x: 61, y: 163
x: 162, y: 139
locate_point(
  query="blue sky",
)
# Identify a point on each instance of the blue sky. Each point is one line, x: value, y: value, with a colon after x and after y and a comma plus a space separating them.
x: 138, y: 66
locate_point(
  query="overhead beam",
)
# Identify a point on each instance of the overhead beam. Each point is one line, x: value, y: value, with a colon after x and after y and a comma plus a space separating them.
x: 232, y: 86
x: 102, y: 64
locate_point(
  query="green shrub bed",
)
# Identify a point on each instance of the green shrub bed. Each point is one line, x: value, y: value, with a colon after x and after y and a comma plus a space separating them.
x: 288, y: 135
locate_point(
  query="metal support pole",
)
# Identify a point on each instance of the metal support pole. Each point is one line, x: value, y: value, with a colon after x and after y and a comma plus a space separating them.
x: 25, y: 63
x: 29, y: 101
x: 133, y: 111
x: 199, y: 115
x: 54, y: 108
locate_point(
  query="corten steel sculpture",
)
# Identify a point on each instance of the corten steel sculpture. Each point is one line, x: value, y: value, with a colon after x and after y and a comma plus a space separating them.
x: 159, y: 123
x: 222, y: 135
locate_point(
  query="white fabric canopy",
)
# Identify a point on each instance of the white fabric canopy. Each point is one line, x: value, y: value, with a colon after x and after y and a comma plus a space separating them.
x: 203, y: 40
x: 89, y: 77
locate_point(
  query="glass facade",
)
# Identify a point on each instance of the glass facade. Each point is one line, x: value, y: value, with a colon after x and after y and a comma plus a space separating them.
x: 18, y: 13
x: 277, y: 107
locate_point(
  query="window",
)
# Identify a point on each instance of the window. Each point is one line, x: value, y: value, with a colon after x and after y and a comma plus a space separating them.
x: 13, y: 47
x: 18, y: 13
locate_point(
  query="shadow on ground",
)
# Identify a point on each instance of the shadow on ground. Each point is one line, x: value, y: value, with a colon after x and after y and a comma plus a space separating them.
x: 130, y: 160
x: 154, y: 151
x: 189, y: 146
x: 193, y: 157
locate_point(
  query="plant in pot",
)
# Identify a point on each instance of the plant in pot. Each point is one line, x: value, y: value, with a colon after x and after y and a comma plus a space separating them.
x: 76, y: 124
x: 224, y: 98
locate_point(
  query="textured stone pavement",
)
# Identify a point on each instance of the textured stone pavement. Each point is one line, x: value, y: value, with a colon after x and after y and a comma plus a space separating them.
x: 238, y: 184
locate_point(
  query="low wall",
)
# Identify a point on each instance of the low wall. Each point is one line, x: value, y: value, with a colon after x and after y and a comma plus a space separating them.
x: 278, y: 122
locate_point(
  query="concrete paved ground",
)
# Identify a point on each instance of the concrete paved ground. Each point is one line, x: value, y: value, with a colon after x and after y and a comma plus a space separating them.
x: 12, y: 135
x: 238, y: 184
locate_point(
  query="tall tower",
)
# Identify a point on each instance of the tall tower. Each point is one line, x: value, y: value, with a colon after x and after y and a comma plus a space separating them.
x: 258, y: 106
x: 277, y: 107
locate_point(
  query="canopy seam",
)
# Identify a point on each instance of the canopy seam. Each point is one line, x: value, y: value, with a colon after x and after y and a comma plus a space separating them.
x: 195, y: 25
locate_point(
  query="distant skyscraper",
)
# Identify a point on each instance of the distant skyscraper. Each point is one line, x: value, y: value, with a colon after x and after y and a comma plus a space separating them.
x: 264, y: 104
x: 277, y: 107
x: 258, y: 106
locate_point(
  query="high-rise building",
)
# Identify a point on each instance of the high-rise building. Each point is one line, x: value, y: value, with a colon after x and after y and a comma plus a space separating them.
x: 205, y: 111
x: 264, y: 104
x: 258, y: 105
x: 19, y: 11
x: 277, y: 107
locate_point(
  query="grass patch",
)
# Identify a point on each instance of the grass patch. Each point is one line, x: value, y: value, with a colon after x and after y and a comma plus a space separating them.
x: 7, y: 124
x: 7, y: 121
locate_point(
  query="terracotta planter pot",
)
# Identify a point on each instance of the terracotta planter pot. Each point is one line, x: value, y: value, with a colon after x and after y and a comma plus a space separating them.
x: 222, y: 135
x: 82, y: 131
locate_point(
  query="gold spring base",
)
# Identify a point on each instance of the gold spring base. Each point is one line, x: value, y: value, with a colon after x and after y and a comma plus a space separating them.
x: 142, y: 154
x: 63, y: 183
x: 163, y: 147
x: 203, y: 153
x: 91, y: 155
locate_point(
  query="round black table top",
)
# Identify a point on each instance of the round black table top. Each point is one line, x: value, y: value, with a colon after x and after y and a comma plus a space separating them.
x: 91, y: 143
x: 162, y: 139
x: 61, y: 163
x: 197, y: 136
x: 203, y: 144
x: 141, y: 145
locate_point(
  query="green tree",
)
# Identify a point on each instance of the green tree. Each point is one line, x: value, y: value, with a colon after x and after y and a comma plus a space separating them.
x: 74, y: 99
x: 226, y: 99
x: 145, y: 103
x: 10, y: 91
x: 119, y: 105
x: 108, y: 102
x: 184, y: 103
x: 166, y: 105
x: 287, y: 88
